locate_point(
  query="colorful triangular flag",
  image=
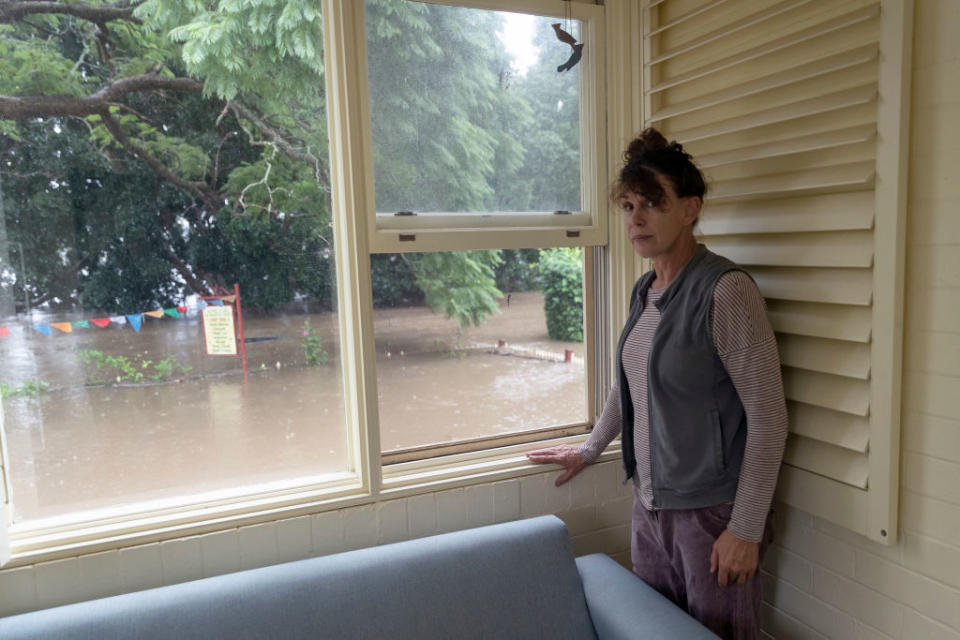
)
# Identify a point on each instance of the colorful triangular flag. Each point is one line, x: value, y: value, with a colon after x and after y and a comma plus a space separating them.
x: 66, y: 327
x: 135, y: 319
x: 217, y: 303
x: 42, y: 328
x: 118, y: 319
x: 154, y: 314
x: 4, y: 332
x: 173, y: 313
x: 82, y: 324
x: 229, y: 299
x: 182, y: 309
x: 101, y: 322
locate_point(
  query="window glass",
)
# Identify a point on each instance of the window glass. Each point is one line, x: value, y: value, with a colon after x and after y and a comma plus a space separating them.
x: 168, y: 322
x: 469, y: 111
x: 479, y: 343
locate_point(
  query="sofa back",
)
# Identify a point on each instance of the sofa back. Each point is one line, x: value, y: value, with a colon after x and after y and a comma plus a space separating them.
x: 512, y: 580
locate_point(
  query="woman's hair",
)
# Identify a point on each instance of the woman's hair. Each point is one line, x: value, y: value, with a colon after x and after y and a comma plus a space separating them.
x: 648, y: 153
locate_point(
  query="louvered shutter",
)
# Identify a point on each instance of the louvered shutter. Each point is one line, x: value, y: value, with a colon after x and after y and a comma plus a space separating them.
x: 786, y: 106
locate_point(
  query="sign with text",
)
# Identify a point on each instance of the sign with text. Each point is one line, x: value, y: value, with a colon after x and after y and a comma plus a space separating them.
x: 218, y: 331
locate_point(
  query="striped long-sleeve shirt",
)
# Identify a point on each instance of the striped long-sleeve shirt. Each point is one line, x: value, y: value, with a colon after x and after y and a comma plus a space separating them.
x: 745, y: 343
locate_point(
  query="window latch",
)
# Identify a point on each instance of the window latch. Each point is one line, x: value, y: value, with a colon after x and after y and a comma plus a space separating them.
x: 405, y: 213
x: 561, y: 213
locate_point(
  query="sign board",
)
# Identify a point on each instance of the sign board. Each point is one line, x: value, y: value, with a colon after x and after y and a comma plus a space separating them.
x: 218, y: 331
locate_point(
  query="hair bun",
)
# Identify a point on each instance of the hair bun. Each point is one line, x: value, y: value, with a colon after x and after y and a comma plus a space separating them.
x: 649, y: 140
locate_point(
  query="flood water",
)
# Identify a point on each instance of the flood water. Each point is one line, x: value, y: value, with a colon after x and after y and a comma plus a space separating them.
x: 84, y: 445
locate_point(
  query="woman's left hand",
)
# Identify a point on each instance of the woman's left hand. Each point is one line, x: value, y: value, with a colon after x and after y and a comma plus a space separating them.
x: 733, y: 560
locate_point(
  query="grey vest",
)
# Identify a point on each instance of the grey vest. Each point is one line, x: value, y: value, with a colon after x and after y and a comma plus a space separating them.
x: 698, y: 428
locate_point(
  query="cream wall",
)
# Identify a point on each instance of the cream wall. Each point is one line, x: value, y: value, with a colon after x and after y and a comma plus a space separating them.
x: 820, y: 581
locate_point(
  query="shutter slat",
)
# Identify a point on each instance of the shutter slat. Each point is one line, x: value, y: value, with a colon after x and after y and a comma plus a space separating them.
x: 835, y: 249
x: 822, y: 104
x: 804, y: 144
x: 831, y: 64
x: 833, y: 462
x: 836, y: 286
x: 836, y: 502
x: 835, y: 321
x: 685, y: 17
x: 811, y: 33
x: 834, y: 427
x: 728, y: 30
x: 846, y: 177
x: 837, y: 357
x: 832, y: 212
x: 828, y: 391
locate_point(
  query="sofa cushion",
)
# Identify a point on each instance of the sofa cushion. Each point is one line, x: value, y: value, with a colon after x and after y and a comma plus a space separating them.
x: 514, y: 580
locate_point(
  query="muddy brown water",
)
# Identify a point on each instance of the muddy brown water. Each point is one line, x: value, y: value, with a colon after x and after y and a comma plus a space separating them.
x: 78, y: 447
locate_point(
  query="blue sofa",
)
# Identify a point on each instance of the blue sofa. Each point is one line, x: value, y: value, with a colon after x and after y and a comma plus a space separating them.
x: 512, y: 580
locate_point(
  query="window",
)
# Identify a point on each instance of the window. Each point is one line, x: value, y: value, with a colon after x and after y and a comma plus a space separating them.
x: 188, y: 270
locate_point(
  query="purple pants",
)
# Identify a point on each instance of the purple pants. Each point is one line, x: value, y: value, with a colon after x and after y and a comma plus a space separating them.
x: 671, y: 552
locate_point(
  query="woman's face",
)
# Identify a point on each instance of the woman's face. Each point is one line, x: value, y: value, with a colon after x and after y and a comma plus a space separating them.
x: 654, y: 230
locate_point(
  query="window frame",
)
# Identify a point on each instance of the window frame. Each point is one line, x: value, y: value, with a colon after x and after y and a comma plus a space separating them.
x: 366, y: 482
x: 439, y: 231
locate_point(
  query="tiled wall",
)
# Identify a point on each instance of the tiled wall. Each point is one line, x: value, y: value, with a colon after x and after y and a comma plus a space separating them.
x: 824, y: 582
x: 595, y: 506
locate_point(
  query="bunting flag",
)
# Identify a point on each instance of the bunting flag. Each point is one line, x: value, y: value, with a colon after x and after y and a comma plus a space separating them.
x: 118, y: 320
x: 82, y: 324
x: 101, y: 322
x: 4, y: 332
x: 154, y: 314
x: 229, y: 299
x: 66, y: 327
x: 42, y: 328
x: 173, y: 313
x: 182, y: 309
x: 135, y: 319
x: 217, y: 303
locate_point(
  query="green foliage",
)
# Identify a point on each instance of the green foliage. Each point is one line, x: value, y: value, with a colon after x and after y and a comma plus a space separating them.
x: 562, y: 273
x: 313, y: 351
x: 30, y: 388
x: 135, y: 370
x: 460, y: 284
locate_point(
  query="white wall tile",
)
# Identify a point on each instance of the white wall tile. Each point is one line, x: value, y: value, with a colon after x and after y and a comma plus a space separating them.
x: 866, y: 632
x: 478, y: 500
x: 100, y: 573
x: 931, y: 435
x: 422, y: 515
x: 555, y: 499
x: 258, y: 545
x: 532, y: 495
x: 451, y: 511
x: 181, y: 560
x: 811, y: 611
x: 141, y: 567
x: 392, y: 521
x: 583, y: 487
x: 615, y: 512
x: 18, y: 590
x: 59, y: 582
x: 326, y: 530
x: 916, y: 626
x: 789, y: 566
x: 220, y: 552
x: 932, y: 477
x: 931, y: 598
x: 866, y: 605
x: 781, y: 626
x: 506, y: 500
x: 580, y: 521
x: 931, y: 517
x: 293, y: 539
x: 360, y: 527
x: 932, y: 558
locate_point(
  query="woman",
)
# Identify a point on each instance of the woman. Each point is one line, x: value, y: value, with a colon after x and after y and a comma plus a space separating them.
x: 698, y: 400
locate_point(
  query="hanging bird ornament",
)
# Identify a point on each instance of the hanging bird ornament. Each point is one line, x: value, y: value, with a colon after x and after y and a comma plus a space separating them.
x: 574, y: 58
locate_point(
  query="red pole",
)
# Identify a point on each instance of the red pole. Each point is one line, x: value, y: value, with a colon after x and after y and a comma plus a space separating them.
x: 243, y: 343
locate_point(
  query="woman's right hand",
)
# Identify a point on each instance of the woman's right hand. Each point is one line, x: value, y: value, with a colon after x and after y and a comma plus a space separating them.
x: 564, y: 455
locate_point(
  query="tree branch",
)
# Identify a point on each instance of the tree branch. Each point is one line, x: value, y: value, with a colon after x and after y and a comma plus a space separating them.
x: 199, y: 189
x: 26, y: 107
x: 11, y: 11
